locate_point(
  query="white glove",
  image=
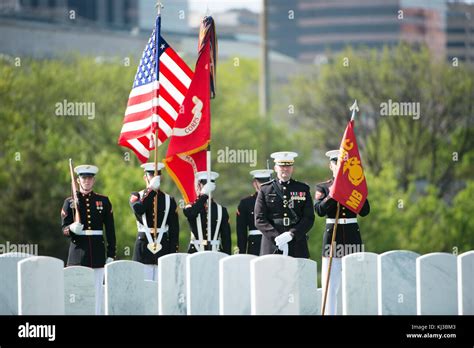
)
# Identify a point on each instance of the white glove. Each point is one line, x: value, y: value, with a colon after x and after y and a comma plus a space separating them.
x: 283, y: 239
x: 284, y: 248
x: 208, y: 188
x: 155, y: 183
x: 109, y: 260
x: 76, y: 227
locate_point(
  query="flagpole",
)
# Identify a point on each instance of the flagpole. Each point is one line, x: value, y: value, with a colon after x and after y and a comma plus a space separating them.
x: 155, y: 202
x: 330, y: 259
x: 209, y: 202
x: 354, y: 108
x: 208, y: 160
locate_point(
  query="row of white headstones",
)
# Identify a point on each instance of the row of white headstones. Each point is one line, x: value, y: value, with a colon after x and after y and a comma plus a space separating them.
x: 210, y: 283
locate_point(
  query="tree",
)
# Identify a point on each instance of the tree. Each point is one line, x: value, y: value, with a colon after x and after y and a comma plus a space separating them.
x: 421, y: 146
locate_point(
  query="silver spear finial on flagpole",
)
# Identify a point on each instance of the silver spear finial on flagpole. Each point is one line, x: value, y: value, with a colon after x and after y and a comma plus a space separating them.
x: 354, y: 108
x: 159, y: 6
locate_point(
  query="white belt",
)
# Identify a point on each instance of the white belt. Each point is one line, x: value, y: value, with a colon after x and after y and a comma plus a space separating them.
x: 343, y: 221
x: 205, y: 242
x: 255, y: 233
x: 90, y: 233
x: 159, y: 229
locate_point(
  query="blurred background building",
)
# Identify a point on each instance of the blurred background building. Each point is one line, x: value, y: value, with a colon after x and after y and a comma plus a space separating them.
x: 303, y: 30
x: 460, y: 31
x: 300, y: 33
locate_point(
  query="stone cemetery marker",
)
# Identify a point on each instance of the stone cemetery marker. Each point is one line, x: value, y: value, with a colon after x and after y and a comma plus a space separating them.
x: 202, y: 283
x: 397, y: 283
x: 41, y: 286
x: 124, y: 293
x: 466, y: 283
x: 9, y: 282
x: 436, y: 284
x: 308, y: 287
x: 172, y: 284
x: 150, y: 290
x: 234, y: 284
x: 79, y: 291
x: 359, y: 284
x: 274, y: 285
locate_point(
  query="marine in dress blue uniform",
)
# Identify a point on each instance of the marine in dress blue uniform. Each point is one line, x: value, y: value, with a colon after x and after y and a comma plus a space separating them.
x: 284, y: 211
x: 248, y: 236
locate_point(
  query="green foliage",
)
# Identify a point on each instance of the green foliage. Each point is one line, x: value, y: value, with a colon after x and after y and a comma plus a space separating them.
x: 419, y: 146
x: 36, y: 144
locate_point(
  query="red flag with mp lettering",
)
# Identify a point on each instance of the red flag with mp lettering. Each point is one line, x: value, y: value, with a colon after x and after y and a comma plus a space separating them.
x: 350, y: 187
x: 182, y: 169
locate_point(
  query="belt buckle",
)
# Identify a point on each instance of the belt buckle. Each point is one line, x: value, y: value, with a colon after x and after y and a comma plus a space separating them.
x: 342, y: 221
x: 286, y: 221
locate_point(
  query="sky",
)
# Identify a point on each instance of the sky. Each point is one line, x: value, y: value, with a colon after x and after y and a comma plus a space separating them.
x: 253, y: 5
x: 222, y: 5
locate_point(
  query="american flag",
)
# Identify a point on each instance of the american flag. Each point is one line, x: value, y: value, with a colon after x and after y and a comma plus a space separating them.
x: 154, y: 102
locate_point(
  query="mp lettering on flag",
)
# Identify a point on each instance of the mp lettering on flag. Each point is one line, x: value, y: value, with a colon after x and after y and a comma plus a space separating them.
x: 350, y: 187
x: 159, y: 89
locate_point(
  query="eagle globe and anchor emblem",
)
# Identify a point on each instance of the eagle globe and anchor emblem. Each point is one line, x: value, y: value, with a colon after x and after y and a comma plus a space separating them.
x: 356, y: 173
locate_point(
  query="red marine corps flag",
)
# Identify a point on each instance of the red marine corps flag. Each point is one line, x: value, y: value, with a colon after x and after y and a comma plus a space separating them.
x: 350, y: 187
x: 191, y: 134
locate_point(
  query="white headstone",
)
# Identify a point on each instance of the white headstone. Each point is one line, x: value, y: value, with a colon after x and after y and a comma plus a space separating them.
x: 9, y: 282
x: 234, y: 284
x: 79, y: 291
x: 274, y: 285
x: 397, y: 283
x: 124, y: 288
x: 150, y: 289
x: 436, y: 284
x: 308, y: 287
x: 202, y: 283
x: 339, y: 300
x: 172, y: 284
x: 359, y: 284
x: 102, y: 306
x: 319, y: 299
x: 40, y: 286
x: 466, y: 283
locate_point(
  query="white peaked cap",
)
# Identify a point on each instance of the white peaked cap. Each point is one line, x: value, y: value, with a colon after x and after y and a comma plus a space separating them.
x: 203, y: 176
x: 261, y: 173
x: 150, y: 166
x: 333, y: 154
x: 86, y: 169
x: 284, y: 158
